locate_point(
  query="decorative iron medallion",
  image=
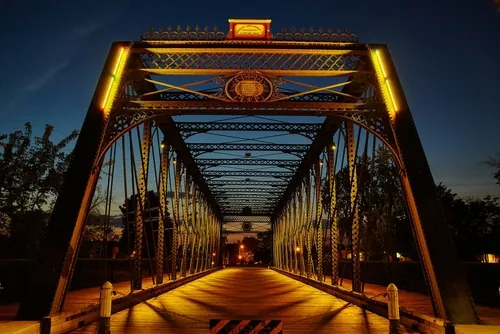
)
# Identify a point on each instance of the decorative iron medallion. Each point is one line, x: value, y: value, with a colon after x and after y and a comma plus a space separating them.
x: 246, y: 226
x: 249, y: 87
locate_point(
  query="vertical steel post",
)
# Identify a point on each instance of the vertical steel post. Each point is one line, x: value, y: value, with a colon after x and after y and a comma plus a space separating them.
x: 356, y: 279
x: 141, y: 205
x: 194, y: 226
x: 319, y: 222
x: 185, y: 225
x: 309, y: 229
x: 176, y: 217
x: 160, y: 253
x: 334, y: 230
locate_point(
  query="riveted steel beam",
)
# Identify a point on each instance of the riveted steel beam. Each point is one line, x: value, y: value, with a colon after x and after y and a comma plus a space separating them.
x: 249, y: 162
x: 211, y: 147
x: 251, y: 173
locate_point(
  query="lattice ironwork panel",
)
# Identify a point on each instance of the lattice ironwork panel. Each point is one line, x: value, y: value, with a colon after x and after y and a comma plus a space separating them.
x: 217, y: 191
x: 250, y: 162
x: 240, y: 218
x: 216, y: 174
x: 285, y: 148
x: 215, y: 126
x: 221, y: 183
x: 264, y: 59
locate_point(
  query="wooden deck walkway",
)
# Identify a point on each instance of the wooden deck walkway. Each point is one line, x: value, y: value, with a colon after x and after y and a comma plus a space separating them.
x: 245, y: 293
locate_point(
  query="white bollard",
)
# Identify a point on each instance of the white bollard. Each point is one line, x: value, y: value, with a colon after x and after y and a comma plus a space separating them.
x: 105, y: 312
x: 393, y: 305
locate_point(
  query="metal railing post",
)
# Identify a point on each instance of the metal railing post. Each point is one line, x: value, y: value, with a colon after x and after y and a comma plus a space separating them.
x: 393, y: 308
x: 105, y: 311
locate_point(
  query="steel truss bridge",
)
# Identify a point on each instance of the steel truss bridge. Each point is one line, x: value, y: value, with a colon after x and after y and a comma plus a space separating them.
x: 215, y: 130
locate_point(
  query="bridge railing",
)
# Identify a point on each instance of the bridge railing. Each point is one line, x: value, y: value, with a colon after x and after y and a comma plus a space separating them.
x: 484, y: 278
x: 89, y: 272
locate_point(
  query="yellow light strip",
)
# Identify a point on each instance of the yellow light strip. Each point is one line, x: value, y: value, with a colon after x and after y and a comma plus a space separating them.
x: 387, y: 82
x: 381, y: 64
x: 114, y: 80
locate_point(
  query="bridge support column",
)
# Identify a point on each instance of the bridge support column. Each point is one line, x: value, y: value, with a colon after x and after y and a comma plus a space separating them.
x: 319, y: 222
x: 160, y: 252
x: 185, y: 226
x: 353, y: 180
x: 334, y: 230
x: 194, y: 237
x: 142, y: 187
x: 309, y: 227
x: 176, y: 218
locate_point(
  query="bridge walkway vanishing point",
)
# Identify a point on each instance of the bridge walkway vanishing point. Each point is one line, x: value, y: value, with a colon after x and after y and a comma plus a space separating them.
x: 244, y: 294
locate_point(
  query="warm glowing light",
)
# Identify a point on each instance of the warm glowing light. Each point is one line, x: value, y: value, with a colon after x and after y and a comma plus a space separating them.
x: 385, y: 83
x: 213, y: 262
x: 393, y: 100
x: 213, y: 254
x: 114, y: 80
x: 241, y: 246
x: 321, y: 163
x: 240, y: 257
x: 381, y: 64
x: 333, y: 147
x: 297, y: 249
x: 162, y: 145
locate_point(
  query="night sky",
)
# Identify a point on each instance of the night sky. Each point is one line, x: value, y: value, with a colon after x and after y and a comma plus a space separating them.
x: 446, y: 52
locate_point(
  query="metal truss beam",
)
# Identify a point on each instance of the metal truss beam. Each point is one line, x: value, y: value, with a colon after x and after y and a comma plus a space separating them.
x: 249, y: 162
x: 214, y: 107
x: 186, y: 96
x: 174, y: 138
x: 308, y: 129
x: 324, y: 135
x: 248, y: 196
x: 278, y: 175
x: 285, y: 148
x: 221, y: 183
x: 254, y: 213
x: 241, y: 219
x: 219, y: 191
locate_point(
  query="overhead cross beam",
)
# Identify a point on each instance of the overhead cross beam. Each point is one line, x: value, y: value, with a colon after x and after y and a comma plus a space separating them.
x: 217, y: 191
x: 221, y: 183
x: 190, y: 128
x: 250, y: 162
x: 211, y: 147
x: 243, y: 173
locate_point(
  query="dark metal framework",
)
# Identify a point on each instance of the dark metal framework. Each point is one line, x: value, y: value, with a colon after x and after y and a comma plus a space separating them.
x: 359, y: 86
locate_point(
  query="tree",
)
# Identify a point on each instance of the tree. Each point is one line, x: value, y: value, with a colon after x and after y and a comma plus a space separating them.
x: 151, y: 216
x: 385, y: 228
x: 264, y: 248
x: 495, y: 163
x: 31, y: 175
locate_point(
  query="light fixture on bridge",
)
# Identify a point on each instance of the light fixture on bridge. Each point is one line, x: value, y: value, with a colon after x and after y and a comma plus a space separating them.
x: 175, y: 161
x: 114, y: 80
x: 333, y: 147
x: 321, y: 163
x: 213, y: 254
x: 297, y: 249
x: 162, y: 145
x: 386, y: 83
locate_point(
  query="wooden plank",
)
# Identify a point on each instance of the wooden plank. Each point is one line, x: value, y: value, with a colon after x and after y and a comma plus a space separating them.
x: 67, y: 321
x: 245, y: 293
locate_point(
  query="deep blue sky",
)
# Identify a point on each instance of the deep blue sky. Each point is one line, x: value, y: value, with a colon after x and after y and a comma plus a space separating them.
x: 446, y: 53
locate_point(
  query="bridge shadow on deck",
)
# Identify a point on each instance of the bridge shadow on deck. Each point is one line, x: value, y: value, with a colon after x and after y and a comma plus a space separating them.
x: 245, y: 293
